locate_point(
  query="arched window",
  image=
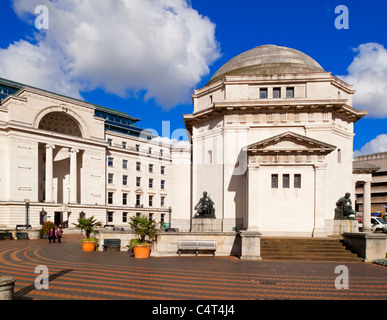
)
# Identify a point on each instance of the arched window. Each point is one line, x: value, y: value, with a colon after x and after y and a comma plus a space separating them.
x: 60, y: 122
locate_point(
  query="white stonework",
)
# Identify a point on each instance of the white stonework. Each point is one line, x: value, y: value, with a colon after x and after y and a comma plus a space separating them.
x: 272, y: 139
x: 58, y: 153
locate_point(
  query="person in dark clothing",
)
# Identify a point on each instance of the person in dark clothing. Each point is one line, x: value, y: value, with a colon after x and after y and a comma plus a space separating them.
x: 58, y: 234
x: 51, y: 235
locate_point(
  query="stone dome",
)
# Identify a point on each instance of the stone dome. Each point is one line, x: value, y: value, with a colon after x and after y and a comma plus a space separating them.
x: 268, y: 59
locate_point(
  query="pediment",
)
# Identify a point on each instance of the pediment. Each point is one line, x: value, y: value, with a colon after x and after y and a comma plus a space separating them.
x: 288, y: 143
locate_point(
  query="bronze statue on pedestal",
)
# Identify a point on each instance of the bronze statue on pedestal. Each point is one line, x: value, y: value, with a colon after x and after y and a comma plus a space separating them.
x: 344, y: 209
x: 205, y: 207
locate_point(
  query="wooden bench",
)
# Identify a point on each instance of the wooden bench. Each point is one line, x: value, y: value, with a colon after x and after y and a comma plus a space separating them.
x: 196, y: 245
x: 21, y: 235
x: 6, y: 236
x: 112, y: 243
x: 22, y: 226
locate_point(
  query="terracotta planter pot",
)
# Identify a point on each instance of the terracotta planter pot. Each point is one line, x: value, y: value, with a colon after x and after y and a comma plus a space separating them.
x: 88, y: 246
x: 141, y: 252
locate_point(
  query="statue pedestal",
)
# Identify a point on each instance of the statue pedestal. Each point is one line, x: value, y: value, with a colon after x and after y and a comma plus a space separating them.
x: 338, y: 227
x: 206, y: 225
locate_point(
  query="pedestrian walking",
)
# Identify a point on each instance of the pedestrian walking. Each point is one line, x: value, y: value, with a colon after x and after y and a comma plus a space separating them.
x: 51, y: 235
x: 59, y: 234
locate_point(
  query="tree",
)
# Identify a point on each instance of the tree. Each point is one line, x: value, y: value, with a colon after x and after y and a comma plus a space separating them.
x: 88, y: 224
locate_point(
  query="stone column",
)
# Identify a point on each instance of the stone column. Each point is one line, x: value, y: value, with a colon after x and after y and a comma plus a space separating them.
x: 252, y: 202
x: 7, y: 285
x: 319, y: 201
x: 49, y: 172
x: 367, y: 206
x: 73, y: 175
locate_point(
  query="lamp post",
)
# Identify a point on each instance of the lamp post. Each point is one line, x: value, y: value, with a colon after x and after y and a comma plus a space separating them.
x: 27, y: 204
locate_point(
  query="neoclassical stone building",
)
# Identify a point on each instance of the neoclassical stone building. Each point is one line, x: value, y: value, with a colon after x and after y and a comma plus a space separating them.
x: 272, y: 139
x: 63, y: 158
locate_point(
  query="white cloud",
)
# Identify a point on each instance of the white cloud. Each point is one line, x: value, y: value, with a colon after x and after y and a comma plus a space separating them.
x: 379, y: 144
x: 162, y: 47
x: 368, y: 74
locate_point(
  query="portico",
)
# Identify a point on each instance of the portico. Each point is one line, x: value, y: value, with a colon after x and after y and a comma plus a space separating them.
x: 63, y: 186
x: 362, y: 174
x: 286, y: 183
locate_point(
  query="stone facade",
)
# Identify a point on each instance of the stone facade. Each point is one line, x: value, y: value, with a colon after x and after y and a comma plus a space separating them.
x: 64, y: 158
x: 271, y: 143
x: 273, y: 148
x: 376, y: 164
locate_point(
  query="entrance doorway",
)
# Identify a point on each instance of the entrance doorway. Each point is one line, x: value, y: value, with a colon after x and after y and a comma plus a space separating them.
x: 58, y: 218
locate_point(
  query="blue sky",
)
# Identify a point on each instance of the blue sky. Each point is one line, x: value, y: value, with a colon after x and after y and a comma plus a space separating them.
x: 234, y: 26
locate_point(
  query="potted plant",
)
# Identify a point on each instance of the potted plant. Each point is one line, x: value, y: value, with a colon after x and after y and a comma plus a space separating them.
x: 143, y: 228
x: 88, y: 225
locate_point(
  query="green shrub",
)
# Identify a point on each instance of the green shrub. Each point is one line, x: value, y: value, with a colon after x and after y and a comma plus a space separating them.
x: 45, y: 230
x: 143, y: 228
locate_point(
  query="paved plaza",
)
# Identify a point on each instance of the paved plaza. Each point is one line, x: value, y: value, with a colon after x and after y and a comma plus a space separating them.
x: 112, y: 275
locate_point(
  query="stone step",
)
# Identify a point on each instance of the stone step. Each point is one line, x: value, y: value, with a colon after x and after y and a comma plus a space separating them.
x: 313, y: 258
x: 303, y: 249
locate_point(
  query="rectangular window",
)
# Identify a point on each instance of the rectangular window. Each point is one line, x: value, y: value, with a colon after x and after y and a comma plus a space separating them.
x: 290, y: 92
x: 162, y: 170
x: 110, y: 162
x: 209, y: 156
x: 138, y: 181
x: 124, y: 217
x: 138, y: 199
x: 151, y: 168
x: 110, y: 216
x: 138, y: 214
x: 150, y: 183
x: 263, y: 93
x: 162, y: 201
x: 137, y: 147
x: 110, y: 142
x: 124, y: 164
x: 274, y: 180
x: 150, y: 216
x: 161, y: 152
x: 276, y: 93
x: 124, y: 199
x: 110, y: 197
x: 162, y: 186
x: 124, y: 180
x: 149, y: 150
x: 162, y: 218
x: 110, y: 177
x: 124, y: 144
x: 138, y: 166
x: 151, y: 201
x: 285, y: 181
x: 297, y: 181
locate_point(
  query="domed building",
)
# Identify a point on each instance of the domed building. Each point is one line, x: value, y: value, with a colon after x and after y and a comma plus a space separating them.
x: 272, y: 140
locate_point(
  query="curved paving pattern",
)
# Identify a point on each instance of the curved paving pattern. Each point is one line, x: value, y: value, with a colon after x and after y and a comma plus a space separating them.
x: 118, y: 276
